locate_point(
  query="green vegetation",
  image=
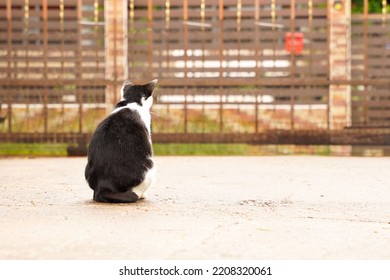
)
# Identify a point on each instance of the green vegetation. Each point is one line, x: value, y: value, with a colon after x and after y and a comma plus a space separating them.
x: 22, y: 149
x: 237, y: 150
x: 201, y: 149
x: 374, y: 6
x: 28, y: 150
x: 53, y: 150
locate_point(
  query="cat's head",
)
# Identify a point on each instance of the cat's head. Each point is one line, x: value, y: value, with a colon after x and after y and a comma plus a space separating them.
x: 141, y: 94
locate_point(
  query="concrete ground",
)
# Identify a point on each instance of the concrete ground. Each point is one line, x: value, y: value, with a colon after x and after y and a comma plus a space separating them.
x: 201, y: 208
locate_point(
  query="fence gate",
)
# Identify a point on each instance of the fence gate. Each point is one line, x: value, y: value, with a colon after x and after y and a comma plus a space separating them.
x: 371, y: 69
x: 229, y: 69
x: 52, y: 67
x: 254, y: 71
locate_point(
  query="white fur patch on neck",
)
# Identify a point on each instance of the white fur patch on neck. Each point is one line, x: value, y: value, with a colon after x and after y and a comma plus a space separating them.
x: 143, y: 111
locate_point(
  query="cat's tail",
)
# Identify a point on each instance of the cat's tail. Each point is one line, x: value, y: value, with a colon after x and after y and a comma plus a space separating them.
x: 106, y: 192
x: 115, y: 197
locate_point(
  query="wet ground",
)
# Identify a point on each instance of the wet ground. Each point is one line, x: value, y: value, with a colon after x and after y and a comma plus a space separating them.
x: 284, y: 207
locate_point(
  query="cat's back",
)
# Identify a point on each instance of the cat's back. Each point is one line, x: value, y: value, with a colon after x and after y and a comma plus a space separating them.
x: 121, y: 133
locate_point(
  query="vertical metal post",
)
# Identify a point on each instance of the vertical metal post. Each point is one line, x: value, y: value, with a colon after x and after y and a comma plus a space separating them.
x: 26, y: 34
x: 185, y: 30
x: 329, y: 46
x: 167, y: 33
x: 96, y: 34
x: 238, y: 29
x: 131, y: 38
x: 257, y: 56
x: 27, y: 70
x: 203, y: 19
x: 365, y: 72
x: 45, y: 61
x: 9, y: 63
x: 292, y: 61
x: 62, y: 26
x: 384, y: 34
x: 150, y: 38
x: 114, y: 55
x: 167, y: 50
x: 273, y: 19
x: 79, y: 93
x: 310, y: 19
x: 124, y: 52
x: 220, y: 52
x: 62, y: 49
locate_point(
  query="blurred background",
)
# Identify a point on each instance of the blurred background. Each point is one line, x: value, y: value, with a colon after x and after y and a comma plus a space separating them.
x: 246, y: 77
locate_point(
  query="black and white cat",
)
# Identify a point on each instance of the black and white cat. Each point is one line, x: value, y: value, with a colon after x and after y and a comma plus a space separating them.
x: 120, y: 166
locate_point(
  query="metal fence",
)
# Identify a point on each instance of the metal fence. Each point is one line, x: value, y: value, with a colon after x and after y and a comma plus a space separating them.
x: 229, y: 71
x: 226, y: 67
x: 371, y: 64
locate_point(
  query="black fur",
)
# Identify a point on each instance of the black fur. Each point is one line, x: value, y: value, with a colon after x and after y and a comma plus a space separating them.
x: 120, y: 151
x: 134, y: 93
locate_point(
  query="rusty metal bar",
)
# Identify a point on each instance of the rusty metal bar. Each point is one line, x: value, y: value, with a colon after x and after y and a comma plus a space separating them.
x: 96, y: 33
x: 385, y: 38
x: 9, y: 63
x: 258, y: 61
x: 150, y: 38
x: 185, y: 41
x: 167, y: 14
x: 310, y: 25
x: 273, y: 20
x: 115, y: 51
x: 365, y: 71
x: 167, y: 33
x: 131, y: 38
x: 200, y: 82
x: 62, y: 29
x: 292, y: 58
x: 220, y: 57
x: 203, y: 21
x: 45, y: 65
x: 62, y: 50
x: 79, y: 92
x: 238, y: 28
x: 39, y: 82
x: 328, y: 40
x: 26, y: 33
x: 351, y: 136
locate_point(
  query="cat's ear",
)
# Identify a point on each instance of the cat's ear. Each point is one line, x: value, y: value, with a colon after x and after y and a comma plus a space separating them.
x: 126, y: 85
x: 150, y: 86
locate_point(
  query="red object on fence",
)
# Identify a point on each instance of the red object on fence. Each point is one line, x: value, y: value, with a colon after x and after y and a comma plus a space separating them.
x: 295, y: 45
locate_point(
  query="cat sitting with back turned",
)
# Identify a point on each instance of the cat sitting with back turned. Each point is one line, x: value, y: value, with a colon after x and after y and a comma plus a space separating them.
x: 120, y: 166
